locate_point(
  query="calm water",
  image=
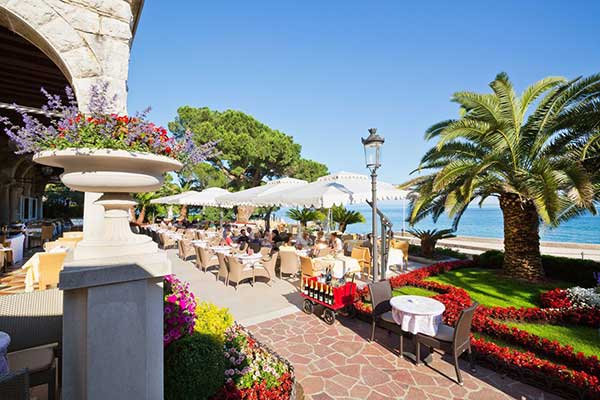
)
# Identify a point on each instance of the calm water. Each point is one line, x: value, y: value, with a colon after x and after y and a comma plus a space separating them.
x: 484, y: 222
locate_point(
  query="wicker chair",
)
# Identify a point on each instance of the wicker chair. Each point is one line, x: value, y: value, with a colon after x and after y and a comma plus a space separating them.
x: 254, y: 246
x: 323, y: 252
x: 185, y: 248
x: 50, y: 266
x: 308, y: 267
x: 266, y: 268
x: 15, y: 385
x: 362, y: 255
x: 288, y: 263
x: 223, y: 268
x: 166, y: 241
x: 381, y: 293
x: 204, y: 259
x: 453, y: 341
x: 266, y: 251
x: 239, y: 272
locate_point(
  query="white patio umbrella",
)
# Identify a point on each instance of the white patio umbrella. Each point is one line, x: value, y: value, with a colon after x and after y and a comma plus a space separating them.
x: 254, y: 196
x: 207, y: 197
x: 173, y: 199
x: 341, y: 188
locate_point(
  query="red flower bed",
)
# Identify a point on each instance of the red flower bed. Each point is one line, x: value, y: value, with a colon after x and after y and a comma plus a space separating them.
x: 258, y: 391
x: 556, y: 298
x: 580, y: 372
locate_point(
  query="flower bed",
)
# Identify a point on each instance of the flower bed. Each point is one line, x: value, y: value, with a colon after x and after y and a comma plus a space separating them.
x: 565, y: 370
x: 209, y: 357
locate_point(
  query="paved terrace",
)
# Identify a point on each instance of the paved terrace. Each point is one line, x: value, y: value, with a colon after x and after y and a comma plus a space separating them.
x: 338, y: 362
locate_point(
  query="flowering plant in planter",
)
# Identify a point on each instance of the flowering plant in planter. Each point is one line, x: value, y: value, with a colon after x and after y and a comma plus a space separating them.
x: 179, y: 309
x: 69, y: 128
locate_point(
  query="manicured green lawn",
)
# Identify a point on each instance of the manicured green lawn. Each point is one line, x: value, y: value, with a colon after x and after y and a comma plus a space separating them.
x: 490, y: 288
x: 582, y: 338
x: 411, y: 290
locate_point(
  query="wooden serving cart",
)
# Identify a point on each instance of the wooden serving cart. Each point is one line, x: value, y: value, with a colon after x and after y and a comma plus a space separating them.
x: 343, y: 302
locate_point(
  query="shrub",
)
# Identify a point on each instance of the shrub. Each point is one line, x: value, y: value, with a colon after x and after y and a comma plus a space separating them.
x: 212, y: 320
x: 194, y: 368
x: 579, y: 272
x: 439, y: 252
x: 581, y: 297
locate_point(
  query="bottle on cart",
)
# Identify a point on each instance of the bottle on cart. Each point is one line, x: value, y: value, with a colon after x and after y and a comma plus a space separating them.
x: 326, y: 294
x: 305, y: 286
x: 321, y: 292
x: 331, y: 298
x: 310, y: 289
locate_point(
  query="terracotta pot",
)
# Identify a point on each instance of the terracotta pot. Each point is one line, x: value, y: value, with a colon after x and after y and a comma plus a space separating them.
x: 116, y: 174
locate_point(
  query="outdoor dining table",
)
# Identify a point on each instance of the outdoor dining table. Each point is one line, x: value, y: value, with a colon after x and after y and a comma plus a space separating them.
x: 340, y: 265
x: 417, y: 314
x: 221, y: 249
x: 200, y: 243
x: 249, y: 258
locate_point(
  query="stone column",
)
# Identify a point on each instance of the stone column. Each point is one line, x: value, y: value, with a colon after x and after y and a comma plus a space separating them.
x: 113, y: 328
x: 15, y: 202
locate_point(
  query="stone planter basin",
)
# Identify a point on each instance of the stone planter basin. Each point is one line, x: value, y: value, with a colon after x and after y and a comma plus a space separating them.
x: 109, y: 171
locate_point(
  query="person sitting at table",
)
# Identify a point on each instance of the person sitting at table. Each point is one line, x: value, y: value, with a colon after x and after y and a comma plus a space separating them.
x: 228, y: 238
x: 266, y: 240
x: 243, y: 237
x: 249, y: 233
x: 287, y: 246
x: 336, y: 243
x: 303, y: 240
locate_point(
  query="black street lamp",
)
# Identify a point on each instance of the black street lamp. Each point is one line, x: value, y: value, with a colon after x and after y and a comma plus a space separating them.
x: 372, y: 145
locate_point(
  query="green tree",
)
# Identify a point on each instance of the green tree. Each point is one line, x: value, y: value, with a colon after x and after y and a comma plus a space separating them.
x: 344, y: 217
x: 305, y: 215
x: 429, y: 239
x: 505, y: 145
x: 60, y: 201
x: 144, y: 205
x: 308, y: 170
x: 248, y: 151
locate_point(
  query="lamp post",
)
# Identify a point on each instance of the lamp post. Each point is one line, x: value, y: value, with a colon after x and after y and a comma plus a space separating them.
x: 372, y: 145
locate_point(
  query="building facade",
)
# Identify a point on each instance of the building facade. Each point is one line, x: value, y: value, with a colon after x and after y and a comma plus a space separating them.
x: 51, y: 44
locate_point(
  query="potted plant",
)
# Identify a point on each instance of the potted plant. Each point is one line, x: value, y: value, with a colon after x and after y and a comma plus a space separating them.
x: 105, y: 153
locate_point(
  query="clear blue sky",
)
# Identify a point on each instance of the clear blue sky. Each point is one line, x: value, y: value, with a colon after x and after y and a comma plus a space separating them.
x: 325, y: 71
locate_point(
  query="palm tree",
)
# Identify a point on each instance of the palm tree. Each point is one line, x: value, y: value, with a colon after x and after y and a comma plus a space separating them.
x: 429, y: 239
x: 305, y: 215
x: 143, y: 200
x: 522, y: 150
x: 345, y: 217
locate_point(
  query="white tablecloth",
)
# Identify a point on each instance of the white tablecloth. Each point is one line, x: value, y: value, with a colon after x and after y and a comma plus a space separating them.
x: 340, y: 265
x: 417, y: 314
x: 249, y: 259
x: 221, y: 249
x: 16, y: 244
x: 395, y: 257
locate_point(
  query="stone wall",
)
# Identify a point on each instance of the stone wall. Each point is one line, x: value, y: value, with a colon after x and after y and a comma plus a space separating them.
x: 89, y: 40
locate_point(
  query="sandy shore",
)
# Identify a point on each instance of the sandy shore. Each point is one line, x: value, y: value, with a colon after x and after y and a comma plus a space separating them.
x: 478, y: 245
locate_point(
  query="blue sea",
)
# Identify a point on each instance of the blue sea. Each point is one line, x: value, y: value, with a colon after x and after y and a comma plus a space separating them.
x: 482, y: 222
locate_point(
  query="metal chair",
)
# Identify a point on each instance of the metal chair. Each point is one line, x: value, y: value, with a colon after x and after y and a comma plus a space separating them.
x: 454, y: 341
x: 381, y: 293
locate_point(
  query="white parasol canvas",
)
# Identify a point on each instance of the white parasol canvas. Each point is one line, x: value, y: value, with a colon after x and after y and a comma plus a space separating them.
x: 254, y: 196
x: 173, y: 199
x: 207, y: 197
x: 336, y: 189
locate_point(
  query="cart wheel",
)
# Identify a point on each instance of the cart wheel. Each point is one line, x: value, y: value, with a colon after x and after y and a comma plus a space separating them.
x: 328, y: 316
x: 349, y: 311
x: 307, y: 307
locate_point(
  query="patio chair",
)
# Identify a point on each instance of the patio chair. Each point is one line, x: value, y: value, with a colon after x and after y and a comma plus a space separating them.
x: 50, y: 265
x: 239, y: 272
x: 452, y: 341
x: 266, y: 268
x: 166, y: 241
x: 255, y: 247
x: 266, y: 251
x: 381, y: 293
x: 223, y: 268
x: 361, y: 254
x: 15, y: 385
x: 308, y: 267
x: 185, y: 248
x: 401, y: 245
x: 204, y: 260
x: 288, y: 262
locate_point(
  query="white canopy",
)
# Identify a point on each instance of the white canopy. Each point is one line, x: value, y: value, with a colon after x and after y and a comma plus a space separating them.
x: 207, y: 197
x: 336, y: 189
x: 254, y: 196
x: 173, y: 199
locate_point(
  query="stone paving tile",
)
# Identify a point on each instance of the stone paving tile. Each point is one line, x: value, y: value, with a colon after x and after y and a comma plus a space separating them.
x: 338, y: 362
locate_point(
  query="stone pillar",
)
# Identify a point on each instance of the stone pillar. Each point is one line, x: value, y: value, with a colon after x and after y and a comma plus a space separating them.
x: 113, y: 328
x: 15, y: 202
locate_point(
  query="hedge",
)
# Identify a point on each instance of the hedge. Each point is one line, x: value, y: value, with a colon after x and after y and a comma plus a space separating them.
x: 573, y: 270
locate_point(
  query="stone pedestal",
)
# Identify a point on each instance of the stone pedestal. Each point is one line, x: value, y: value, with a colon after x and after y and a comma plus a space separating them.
x: 113, y: 328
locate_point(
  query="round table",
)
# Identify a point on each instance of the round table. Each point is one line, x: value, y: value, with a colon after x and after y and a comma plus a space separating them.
x: 249, y: 258
x: 4, y: 342
x: 417, y: 314
x: 221, y: 249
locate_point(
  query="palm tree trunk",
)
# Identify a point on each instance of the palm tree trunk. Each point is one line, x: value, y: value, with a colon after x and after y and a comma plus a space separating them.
x: 522, y: 258
x: 142, y: 215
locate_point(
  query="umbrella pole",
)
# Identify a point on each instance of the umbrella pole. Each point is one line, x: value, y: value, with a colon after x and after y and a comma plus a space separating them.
x: 220, y: 217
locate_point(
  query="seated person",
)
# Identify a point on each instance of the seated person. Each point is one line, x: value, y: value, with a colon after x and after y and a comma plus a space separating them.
x: 287, y: 246
x: 336, y: 243
x: 228, y: 238
x: 243, y: 237
x: 303, y: 240
x: 249, y: 233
